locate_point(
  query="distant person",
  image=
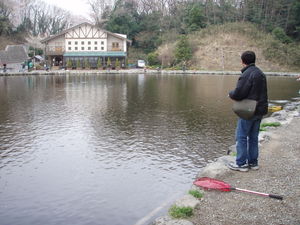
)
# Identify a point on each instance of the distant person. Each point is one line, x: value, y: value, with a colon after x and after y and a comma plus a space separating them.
x: 4, y: 68
x: 252, y: 84
x: 29, y: 65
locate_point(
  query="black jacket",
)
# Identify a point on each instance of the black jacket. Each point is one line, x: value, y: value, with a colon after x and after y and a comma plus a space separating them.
x: 252, y: 84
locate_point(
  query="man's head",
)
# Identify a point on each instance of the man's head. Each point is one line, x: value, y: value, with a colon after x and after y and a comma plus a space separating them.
x: 248, y: 57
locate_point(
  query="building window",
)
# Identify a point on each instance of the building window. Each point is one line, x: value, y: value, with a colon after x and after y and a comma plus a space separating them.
x: 102, y: 48
x: 89, y: 42
x: 95, y: 48
x: 69, y: 43
x: 115, y: 44
x: 89, y: 48
x: 95, y: 42
x: 82, y: 42
x: 69, y: 48
x: 76, y: 48
x: 76, y: 43
x: 82, y: 48
x: 102, y: 42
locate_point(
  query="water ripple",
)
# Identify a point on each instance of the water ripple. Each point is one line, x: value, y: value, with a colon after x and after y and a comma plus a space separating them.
x: 83, y: 149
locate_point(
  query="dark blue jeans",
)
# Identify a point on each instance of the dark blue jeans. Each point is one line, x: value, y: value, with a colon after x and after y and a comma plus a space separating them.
x: 247, y: 141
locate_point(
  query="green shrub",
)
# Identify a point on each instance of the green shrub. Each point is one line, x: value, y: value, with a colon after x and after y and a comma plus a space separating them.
x: 38, y: 67
x: 196, y: 193
x: 152, y: 58
x: 183, y: 50
x: 280, y: 35
x: 78, y: 64
x: 86, y: 64
x: 180, y: 212
x: 108, y: 62
x: 99, y: 64
x: 69, y: 63
x: 117, y: 65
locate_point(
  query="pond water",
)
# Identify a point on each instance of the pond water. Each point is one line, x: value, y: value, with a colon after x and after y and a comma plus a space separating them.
x: 110, y: 149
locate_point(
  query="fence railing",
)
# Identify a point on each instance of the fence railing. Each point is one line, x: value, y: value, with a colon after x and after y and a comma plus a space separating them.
x: 60, y: 50
x: 55, y: 50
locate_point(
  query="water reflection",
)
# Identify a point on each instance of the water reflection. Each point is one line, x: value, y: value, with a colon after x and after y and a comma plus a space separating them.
x: 90, y: 149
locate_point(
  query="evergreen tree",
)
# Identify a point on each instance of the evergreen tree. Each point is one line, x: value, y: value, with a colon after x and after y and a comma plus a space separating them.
x: 108, y: 62
x: 78, y: 64
x: 152, y: 59
x: 99, y: 64
x: 5, y: 23
x: 86, y: 64
x: 183, y: 51
x: 281, y: 35
x: 124, y: 18
x: 194, y: 19
x: 117, y: 63
x: 69, y: 63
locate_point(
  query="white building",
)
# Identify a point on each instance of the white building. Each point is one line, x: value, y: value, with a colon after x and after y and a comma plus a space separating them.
x: 85, y: 42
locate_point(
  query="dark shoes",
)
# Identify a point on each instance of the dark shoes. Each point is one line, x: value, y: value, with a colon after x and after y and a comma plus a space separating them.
x: 234, y: 166
x: 242, y: 168
x: 253, y: 166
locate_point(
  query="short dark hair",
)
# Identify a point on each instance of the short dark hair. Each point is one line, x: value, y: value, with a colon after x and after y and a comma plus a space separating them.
x: 248, y: 57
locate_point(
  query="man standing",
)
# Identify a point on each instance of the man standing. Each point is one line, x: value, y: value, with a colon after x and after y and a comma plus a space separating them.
x: 252, y: 84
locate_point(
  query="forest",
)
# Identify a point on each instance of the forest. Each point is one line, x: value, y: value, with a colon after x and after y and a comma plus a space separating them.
x: 150, y: 23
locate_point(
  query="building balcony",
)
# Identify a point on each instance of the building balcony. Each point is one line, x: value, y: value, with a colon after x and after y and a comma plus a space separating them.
x: 55, y: 50
x: 115, y: 49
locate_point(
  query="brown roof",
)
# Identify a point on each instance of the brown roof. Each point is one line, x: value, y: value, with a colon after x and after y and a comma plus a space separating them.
x: 78, y: 25
x: 13, y: 54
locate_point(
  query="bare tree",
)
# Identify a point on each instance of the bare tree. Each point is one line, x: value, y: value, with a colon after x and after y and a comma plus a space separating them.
x: 5, y: 18
x: 39, y: 18
x: 99, y: 9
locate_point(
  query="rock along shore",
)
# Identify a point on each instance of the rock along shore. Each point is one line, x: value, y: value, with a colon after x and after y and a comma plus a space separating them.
x: 137, y: 71
x: 279, y: 171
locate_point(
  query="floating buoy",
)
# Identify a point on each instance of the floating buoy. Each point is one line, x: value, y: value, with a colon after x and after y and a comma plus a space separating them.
x: 274, y: 108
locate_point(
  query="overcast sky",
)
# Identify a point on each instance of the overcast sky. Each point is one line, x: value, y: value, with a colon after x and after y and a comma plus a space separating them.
x: 78, y: 7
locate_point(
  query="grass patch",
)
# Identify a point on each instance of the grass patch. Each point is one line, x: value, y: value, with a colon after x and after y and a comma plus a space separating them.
x: 264, y: 125
x: 262, y: 129
x: 180, y: 212
x: 274, y: 124
x: 195, y: 193
x: 233, y: 154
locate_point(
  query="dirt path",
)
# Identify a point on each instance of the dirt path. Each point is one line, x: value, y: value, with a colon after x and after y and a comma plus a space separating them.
x: 279, y: 173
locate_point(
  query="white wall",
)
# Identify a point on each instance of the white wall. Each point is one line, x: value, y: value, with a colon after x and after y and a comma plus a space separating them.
x: 57, y: 42
x: 111, y: 39
x: 87, y: 45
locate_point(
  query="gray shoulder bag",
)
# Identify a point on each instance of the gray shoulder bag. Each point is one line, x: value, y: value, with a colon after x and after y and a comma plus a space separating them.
x: 245, y: 108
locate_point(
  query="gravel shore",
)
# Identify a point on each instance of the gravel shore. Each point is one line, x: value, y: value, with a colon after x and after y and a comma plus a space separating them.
x: 279, y: 171
x: 278, y: 174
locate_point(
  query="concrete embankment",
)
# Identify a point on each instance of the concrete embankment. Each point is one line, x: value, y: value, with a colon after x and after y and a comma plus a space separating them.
x: 279, y: 171
x: 137, y: 71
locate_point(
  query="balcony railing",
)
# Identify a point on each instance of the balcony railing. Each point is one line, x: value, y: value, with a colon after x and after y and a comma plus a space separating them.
x: 114, y: 48
x: 55, y: 50
x: 60, y: 50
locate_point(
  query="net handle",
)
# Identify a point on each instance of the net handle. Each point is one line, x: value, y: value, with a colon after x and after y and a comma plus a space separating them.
x: 259, y: 193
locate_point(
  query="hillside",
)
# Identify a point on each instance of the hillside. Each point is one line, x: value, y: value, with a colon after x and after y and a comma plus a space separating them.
x: 223, y: 51
x: 4, y: 41
x: 216, y: 47
x: 219, y: 48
